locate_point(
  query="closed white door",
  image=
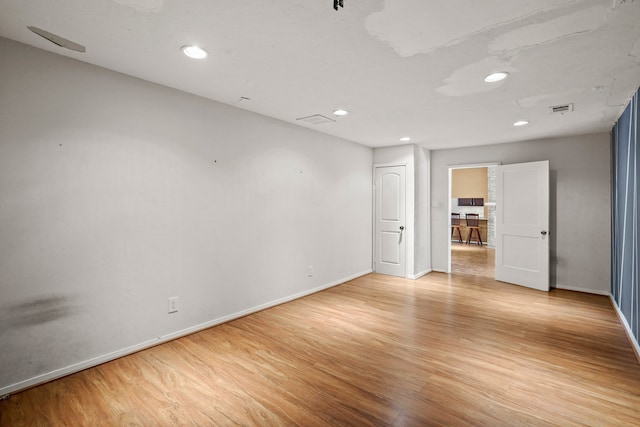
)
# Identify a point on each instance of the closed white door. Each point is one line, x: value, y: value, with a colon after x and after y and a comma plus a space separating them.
x: 522, y: 224
x: 390, y: 247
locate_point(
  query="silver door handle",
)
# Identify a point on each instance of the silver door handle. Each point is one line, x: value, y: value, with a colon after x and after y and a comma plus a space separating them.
x: 401, y: 227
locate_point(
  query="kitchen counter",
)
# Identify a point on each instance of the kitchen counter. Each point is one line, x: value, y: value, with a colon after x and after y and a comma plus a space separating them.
x: 482, y: 226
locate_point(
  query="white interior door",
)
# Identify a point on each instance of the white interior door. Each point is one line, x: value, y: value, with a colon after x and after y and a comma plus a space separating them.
x: 522, y: 224
x: 390, y: 247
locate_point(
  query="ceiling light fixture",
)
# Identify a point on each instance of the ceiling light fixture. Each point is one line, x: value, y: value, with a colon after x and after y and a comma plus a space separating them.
x: 194, y: 52
x: 340, y: 113
x: 496, y: 77
x: 521, y: 123
x: 405, y: 139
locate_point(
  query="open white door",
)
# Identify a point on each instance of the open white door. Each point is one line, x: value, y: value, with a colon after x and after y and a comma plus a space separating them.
x: 522, y: 224
x: 390, y: 247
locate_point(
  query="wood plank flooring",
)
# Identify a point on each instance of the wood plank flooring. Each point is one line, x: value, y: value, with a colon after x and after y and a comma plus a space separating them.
x: 377, y: 351
x: 473, y: 260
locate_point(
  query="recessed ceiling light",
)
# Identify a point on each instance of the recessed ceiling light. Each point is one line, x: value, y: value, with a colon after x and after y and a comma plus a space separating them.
x: 340, y: 113
x: 405, y: 139
x: 521, y: 123
x: 194, y: 52
x: 496, y: 77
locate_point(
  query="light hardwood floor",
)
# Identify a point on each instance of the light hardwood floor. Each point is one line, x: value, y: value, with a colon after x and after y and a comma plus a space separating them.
x: 450, y: 350
x: 472, y: 260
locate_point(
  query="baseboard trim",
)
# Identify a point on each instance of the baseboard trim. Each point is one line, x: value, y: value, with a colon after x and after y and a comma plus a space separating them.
x: 632, y: 340
x: 437, y: 270
x: 77, y: 367
x: 586, y: 290
x: 419, y: 275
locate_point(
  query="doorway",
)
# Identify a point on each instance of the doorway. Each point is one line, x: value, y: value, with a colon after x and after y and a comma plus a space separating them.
x: 472, y: 191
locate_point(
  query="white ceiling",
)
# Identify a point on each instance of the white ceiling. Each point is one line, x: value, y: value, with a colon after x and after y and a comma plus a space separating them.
x: 401, y: 67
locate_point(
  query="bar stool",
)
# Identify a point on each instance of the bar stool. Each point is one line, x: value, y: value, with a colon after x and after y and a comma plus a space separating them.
x: 455, y: 225
x: 473, y: 223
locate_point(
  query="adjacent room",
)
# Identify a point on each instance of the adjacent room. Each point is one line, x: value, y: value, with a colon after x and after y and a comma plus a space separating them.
x: 473, y: 219
x: 319, y: 213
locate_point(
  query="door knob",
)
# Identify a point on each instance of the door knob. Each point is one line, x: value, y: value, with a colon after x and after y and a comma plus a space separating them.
x: 401, y: 227
x: 544, y: 233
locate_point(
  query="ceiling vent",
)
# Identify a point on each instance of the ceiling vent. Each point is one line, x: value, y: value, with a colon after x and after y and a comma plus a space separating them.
x: 561, y: 109
x: 316, y: 119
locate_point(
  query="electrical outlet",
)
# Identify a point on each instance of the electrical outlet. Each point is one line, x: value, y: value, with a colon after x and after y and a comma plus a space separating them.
x: 310, y: 271
x: 173, y: 305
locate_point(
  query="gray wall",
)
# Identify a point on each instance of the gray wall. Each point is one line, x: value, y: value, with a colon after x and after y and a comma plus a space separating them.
x: 417, y: 199
x: 580, y: 203
x: 116, y: 194
x: 422, y: 217
x: 625, y: 250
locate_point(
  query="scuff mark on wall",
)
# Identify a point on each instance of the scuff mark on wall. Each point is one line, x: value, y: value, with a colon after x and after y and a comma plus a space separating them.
x: 635, y: 51
x: 143, y: 5
x: 411, y: 27
x: 606, y: 113
x: 618, y: 3
x: 38, y: 310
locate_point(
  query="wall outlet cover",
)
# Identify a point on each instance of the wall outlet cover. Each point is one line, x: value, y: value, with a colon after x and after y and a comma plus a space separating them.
x: 173, y: 305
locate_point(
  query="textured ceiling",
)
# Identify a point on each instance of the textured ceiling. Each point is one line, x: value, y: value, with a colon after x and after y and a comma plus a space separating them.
x: 401, y: 67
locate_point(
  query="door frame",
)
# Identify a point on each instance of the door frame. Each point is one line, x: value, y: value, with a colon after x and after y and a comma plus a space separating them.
x: 406, y: 217
x: 450, y: 169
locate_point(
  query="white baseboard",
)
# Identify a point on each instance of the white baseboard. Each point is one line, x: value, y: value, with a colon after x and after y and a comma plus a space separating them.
x: 586, y: 290
x: 623, y: 320
x: 419, y: 275
x: 437, y: 270
x: 77, y: 367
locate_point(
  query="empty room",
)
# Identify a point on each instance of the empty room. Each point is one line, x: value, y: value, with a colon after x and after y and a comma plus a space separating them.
x: 319, y: 213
